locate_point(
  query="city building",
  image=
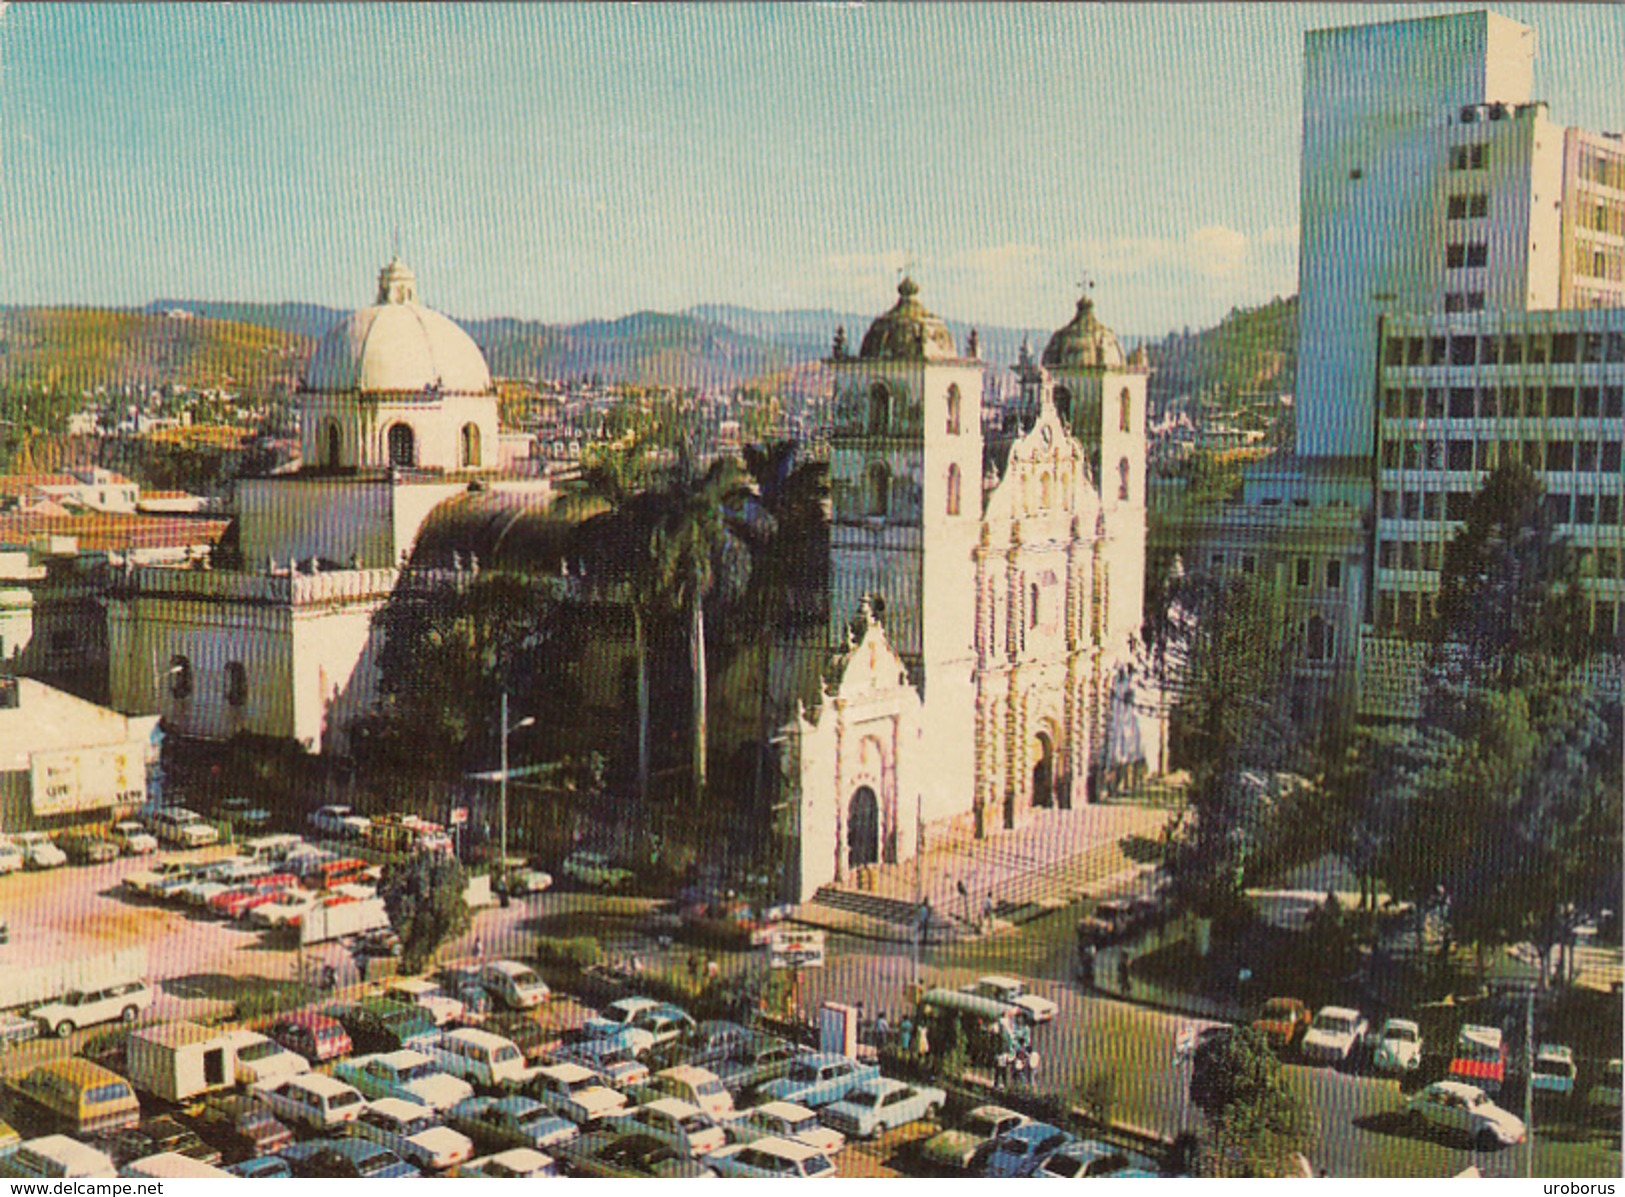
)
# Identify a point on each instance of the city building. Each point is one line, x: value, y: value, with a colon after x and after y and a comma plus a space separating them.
x: 398, y: 414
x: 984, y: 591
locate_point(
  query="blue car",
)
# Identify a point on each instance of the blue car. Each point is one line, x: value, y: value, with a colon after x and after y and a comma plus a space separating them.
x: 262, y: 1167
x: 515, y: 1121
x: 818, y: 1079
x: 1020, y: 1152
x: 1084, y: 1158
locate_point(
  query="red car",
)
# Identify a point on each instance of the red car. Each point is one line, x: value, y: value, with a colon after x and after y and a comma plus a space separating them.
x: 236, y: 903
x: 1480, y: 1058
x: 314, y: 1036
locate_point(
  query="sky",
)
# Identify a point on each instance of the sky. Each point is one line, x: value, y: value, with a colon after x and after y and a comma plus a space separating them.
x: 567, y: 162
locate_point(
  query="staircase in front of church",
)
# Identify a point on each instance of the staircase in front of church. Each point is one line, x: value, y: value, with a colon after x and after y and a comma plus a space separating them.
x: 1052, y: 861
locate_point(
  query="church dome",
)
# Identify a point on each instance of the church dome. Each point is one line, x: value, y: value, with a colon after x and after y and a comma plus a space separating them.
x: 1085, y: 341
x: 398, y: 345
x: 908, y: 332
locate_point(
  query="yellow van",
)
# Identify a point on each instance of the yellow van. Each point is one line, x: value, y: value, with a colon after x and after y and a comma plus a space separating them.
x: 78, y: 1097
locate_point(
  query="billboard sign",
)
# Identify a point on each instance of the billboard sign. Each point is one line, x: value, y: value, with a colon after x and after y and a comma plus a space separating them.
x: 66, y: 781
x: 796, y: 948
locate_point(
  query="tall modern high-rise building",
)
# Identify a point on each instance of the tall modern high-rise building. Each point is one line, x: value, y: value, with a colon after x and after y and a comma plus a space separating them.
x: 1441, y: 203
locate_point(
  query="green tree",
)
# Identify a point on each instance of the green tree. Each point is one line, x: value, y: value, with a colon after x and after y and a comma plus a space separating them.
x: 425, y: 896
x: 698, y: 550
x: 1256, y: 1125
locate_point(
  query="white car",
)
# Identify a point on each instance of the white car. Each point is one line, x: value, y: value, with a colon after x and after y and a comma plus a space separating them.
x: 85, y: 1008
x: 39, y: 850
x: 1399, y: 1046
x: 519, y: 985
x: 414, y: 1133
x: 686, y: 1127
x: 1012, y: 991
x: 11, y: 857
x: 1333, y: 1034
x: 517, y: 1163
x: 183, y: 828
x: 261, y: 1060
x: 772, y: 1158
x: 786, y: 1120
x: 426, y: 996
x: 132, y: 838
x: 1466, y: 1110
x: 1604, y: 1094
x: 54, y: 1157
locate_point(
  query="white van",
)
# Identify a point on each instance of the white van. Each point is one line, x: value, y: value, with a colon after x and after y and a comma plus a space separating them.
x: 481, y: 1057
x: 271, y: 849
x: 172, y: 1165
x: 181, y: 827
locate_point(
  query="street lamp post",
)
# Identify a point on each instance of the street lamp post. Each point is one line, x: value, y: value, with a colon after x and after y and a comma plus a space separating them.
x: 502, y: 788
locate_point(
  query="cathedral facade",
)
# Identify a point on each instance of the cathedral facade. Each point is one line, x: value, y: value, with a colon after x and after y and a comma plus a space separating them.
x: 985, y: 588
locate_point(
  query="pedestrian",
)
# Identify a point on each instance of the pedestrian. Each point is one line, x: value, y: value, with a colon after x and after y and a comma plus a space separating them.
x: 1125, y: 981
x: 712, y: 969
x: 330, y: 978
x: 922, y: 1042
x: 361, y: 963
x: 882, y: 1029
x: 987, y: 911
x: 694, y: 970
x: 905, y: 1034
x: 1001, y: 1070
x: 1087, y: 966
x: 1023, y: 1060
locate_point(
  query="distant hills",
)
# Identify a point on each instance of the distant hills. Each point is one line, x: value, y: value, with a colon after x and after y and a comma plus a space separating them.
x: 261, y: 347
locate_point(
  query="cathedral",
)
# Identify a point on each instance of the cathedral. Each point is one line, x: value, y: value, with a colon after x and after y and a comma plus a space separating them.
x: 985, y: 589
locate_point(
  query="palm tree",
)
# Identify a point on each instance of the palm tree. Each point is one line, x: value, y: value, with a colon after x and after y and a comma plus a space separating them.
x: 697, y: 550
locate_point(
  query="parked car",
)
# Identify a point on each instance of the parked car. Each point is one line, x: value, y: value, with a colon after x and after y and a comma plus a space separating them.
x: 516, y: 1163
x: 1465, y: 1110
x: 818, y: 1079
x: 698, y: 1086
x: 685, y: 1126
x: 610, y: 1058
x: 56, y: 1157
x: 380, y: 1026
x: 610, y: 1154
x: 517, y: 985
x: 534, y: 1041
x: 341, y: 822
x: 481, y: 1058
x: 1480, y: 1058
x: 424, y: 995
x: 132, y: 838
x: 622, y: 1015
x: 1398, y: 1047
x: 704, y: 1044
x: 414, y: 1132
x: 1089, y: 1158
x: 1020, y: 1152
x: 262, y: 1167
x: 1012, y: 991
x: 785, y: 1120
x: 771, y: 1158
x: 78, y: 1008
x: 1106, y: 924
x: 962, y: 1147
x: 347, y: 1159
x: 594, y: 871
x: 1333, y: 1035
x: 1282, y: 1021
x: 162, y: 877
x: 313, y: 1100
x: 316, y: 1037
x: 39, y: 852
x: 1554, y: 1073
x: 762, y: 1059
x: 87, y: 847
x: 1604, y: 1095
x: 161, y: 1134
x: 518, y: 881
x: 261, y: 1058
x: 514, y: 1121
x: 407, y: 1074
x: 238, y: 901
x: 11, y: 857
x: 878, y: 1104
x: 575, y: 1092
x: 241, y: 1127
x: 182, y: 828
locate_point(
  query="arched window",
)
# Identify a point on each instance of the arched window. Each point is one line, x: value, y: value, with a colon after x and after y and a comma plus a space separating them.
x: 1122, y: 478
x: 180, y: 676
x: 471, y: 445
x: 878, y: 491
x: 953, y: 410
x: 403, y: 445
x: 1125, y: 412
x: 334, y: 443
x: 953, y: 490
x: 879, y: 410
x: 1044, y: 496
x: 1063, y: 404
x: 236, y: 683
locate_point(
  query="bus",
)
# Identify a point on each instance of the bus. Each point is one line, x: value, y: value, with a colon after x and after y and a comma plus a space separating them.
x: 988, y: 1028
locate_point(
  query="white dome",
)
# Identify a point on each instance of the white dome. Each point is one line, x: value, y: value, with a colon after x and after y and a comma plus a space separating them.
x: 398, y: 345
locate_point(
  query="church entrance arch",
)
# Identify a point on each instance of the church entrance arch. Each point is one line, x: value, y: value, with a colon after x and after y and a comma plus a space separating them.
x: 334, y: 443
x: 863, y: 828
x: 1043, y: 791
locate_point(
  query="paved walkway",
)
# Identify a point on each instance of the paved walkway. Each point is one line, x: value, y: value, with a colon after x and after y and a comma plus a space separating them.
x: 976, y: 886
